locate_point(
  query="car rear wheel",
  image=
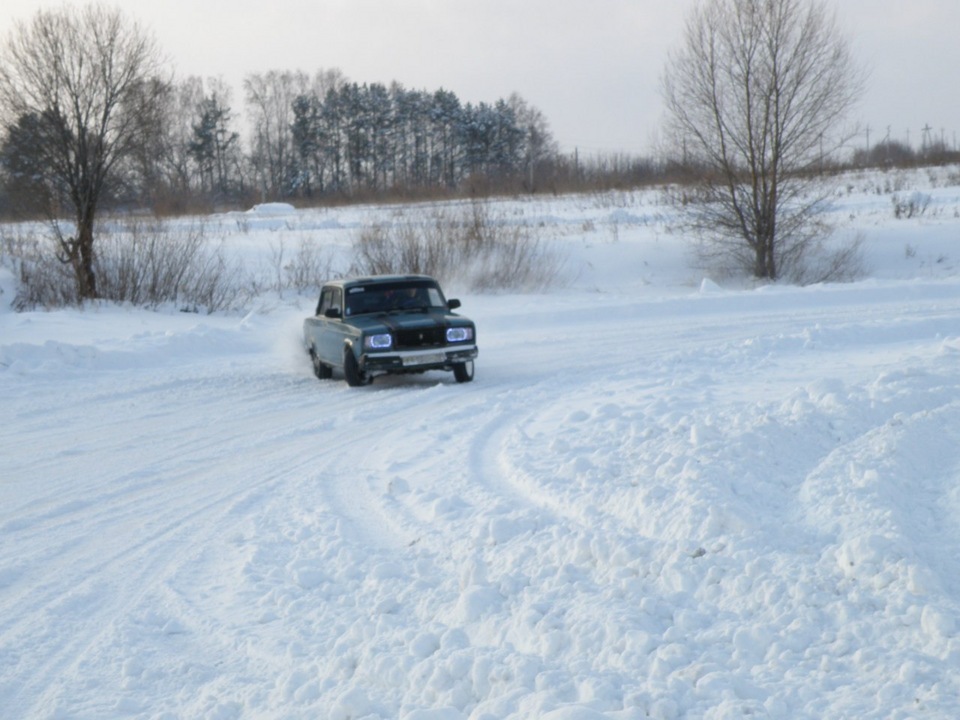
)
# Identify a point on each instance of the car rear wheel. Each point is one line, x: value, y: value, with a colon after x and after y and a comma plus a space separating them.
x: 351, y: 371
x: 463, y: 372
x: 321, y: 370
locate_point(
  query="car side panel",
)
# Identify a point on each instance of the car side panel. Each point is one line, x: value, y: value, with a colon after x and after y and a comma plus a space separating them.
x: 311, y: 336
x: 331, y: 336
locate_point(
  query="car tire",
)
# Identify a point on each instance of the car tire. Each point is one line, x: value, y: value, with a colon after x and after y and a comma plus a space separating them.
x: 321, y: 370
x: 463, y: 372
x: 354, y: 376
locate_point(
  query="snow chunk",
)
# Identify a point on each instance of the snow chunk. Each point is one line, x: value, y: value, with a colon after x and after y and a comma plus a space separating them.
x: 477, y: 601
x: 936, y: 623
x: 445, y: 713
x: 352, y: 704
x: 387, y: 570
x: 574, y: 712
x: 503, y: 529
x: 865, y: 555
x: 425, y: 645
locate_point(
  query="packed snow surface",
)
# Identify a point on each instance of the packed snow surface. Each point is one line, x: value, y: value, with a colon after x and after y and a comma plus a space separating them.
x: 666, y: 495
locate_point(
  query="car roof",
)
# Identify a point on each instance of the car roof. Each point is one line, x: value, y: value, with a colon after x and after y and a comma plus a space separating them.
x: 376, y: 280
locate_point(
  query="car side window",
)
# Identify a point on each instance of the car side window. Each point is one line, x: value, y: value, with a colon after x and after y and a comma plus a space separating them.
x: 336, y: 299
x: 329, y: 298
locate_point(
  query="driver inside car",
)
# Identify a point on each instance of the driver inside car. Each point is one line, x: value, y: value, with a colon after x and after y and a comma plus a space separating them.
x: 407, y: 298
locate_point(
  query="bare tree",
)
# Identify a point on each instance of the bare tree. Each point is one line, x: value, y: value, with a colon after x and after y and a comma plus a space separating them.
x: 270, y: 98
x: 755, y: 97
x: 179, y: 116
x: 89, y: 77
x: 539, y: 145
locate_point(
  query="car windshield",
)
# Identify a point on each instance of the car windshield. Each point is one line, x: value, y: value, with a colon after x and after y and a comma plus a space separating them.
x: 388, y: 297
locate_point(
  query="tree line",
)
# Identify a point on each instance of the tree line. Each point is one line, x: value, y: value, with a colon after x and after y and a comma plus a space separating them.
x: 324, y: 135
x: 894, y: 153
x: 307, y: 137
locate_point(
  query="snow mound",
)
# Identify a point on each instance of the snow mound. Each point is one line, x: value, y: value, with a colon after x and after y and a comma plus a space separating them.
x: 272, y: 209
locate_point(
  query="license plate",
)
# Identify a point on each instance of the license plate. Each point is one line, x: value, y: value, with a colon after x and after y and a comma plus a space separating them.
x: 426, y: 359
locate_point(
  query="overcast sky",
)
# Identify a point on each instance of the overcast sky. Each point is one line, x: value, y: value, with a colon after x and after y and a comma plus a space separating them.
x: 591, y: 66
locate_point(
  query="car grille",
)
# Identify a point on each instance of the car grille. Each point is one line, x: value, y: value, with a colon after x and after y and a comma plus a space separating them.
x: 422, y: 337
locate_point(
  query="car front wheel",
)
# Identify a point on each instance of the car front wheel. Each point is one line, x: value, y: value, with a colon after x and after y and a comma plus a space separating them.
x: 351, y: 370
x: 463, y: 372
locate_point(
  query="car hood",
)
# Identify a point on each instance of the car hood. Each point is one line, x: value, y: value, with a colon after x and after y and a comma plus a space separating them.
x: 396, y: 321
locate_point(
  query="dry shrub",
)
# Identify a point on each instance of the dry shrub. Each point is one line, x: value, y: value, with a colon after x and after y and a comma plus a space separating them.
x: 815, y: 260
x: 843, y: 262
x: 911, y: 206
x: 465, y: 244
x: 302, y: 271
x: 147, y: 262
x: 42, y: 280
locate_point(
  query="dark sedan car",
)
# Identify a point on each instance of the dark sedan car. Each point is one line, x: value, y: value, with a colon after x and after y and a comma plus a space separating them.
x: 388, y: 324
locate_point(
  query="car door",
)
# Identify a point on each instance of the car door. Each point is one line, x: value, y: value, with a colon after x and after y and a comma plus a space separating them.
x: 318, y: 323
x: 331, y: 330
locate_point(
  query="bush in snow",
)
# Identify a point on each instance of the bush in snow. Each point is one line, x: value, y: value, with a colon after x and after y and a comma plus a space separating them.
x: 145, y: 262
x: 458, y: 244
x: 42, y: 280
x: 302, y: 270
x: 914, y: 205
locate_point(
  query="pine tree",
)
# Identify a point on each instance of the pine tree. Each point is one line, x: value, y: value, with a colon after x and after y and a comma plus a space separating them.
x: 213, y: 144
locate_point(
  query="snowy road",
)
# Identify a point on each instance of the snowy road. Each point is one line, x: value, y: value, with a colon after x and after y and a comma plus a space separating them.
x: 699, y: 505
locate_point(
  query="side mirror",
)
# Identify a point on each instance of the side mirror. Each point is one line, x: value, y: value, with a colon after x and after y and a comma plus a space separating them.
x: 453, y: 304
x: 332, y: 313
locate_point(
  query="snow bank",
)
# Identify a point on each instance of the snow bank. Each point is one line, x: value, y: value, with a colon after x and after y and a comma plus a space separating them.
x: 272, y: 209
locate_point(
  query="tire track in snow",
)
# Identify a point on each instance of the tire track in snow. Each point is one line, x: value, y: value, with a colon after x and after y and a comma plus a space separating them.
x: 875, y: 520
x: 99, y: 583
x: 100, y: 542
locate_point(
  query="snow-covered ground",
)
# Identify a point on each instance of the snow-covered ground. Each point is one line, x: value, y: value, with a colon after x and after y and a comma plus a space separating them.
x: 663, y: 496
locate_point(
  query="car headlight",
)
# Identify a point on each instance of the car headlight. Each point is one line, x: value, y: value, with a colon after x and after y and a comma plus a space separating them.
x: 382, y: 341
x: 459, y: 334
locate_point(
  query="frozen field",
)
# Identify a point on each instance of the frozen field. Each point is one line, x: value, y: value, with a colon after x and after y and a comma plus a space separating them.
x: 664, y: 496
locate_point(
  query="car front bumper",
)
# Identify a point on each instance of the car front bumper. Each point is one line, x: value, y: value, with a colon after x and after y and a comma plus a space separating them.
x: 417, y: 360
